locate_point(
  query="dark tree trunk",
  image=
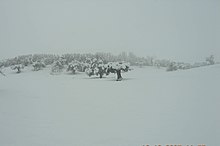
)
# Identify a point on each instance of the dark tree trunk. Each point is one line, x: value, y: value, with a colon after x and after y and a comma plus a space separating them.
x: 100, y: 75
x: 18, y: 70
x: 119, y: 77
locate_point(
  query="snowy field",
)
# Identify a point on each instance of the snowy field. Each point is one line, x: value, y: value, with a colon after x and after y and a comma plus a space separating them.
x: 150, y: 106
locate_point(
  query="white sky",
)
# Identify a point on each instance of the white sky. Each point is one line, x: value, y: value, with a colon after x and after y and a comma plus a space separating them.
x: 183, y: 30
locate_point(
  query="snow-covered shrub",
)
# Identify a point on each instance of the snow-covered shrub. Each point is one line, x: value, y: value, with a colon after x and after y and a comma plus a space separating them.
x: 96, y: 67
x: 100, y: 70
x: 73, y: 66
x: 210, y: 60
x: 57, y: 66
x: 83, y: 66
x: 50, y: 59
x: 38, y: 65
x: 172, y: 67
x: 1, y: 65
x: 89, y: 72
x: 26, y: 61
x: 17, y: 67
x: 117, y: 67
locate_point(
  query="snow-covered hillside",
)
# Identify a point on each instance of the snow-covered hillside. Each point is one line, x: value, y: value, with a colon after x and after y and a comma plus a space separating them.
x: 150, y: 106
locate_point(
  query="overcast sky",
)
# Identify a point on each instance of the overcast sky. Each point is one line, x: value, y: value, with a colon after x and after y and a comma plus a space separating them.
x: 184, y: 30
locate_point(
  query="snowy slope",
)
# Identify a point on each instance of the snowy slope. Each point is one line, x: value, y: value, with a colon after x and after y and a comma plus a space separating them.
x: 150, y: 106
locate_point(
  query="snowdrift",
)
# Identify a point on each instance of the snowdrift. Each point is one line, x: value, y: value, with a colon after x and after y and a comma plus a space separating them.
x: 150, y: 106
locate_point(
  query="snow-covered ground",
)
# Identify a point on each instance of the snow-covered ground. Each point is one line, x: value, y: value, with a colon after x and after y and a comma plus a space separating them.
x: 150, y: 106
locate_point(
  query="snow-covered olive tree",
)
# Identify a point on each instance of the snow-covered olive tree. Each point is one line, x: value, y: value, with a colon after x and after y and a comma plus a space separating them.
x: 210, y: 60
x: 172, y: 66
x: 1, y: 66
x: 117, y: 67
x: 38, y: 65
x: 58, y: 65
x: 17, y: 67
x: 74, y: 66
x: 96, y: 67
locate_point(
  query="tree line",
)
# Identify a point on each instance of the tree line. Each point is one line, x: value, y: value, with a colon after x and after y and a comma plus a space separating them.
x: 95, y: 64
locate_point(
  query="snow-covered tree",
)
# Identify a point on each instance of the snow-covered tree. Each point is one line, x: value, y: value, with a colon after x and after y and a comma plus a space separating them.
x: 58, y: 65
x: 210, y: 60
x: 38, y: 65
x: 73, y: 66
x: 1, y: 66
x: 172, y: 67
x: 83, y: 66
x: 17, y: 67
x: 117, y: 67
x: 183, y: 66
x: 96, y: 67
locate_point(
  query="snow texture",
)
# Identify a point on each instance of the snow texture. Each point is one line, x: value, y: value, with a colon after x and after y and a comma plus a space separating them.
x: 150, y: 106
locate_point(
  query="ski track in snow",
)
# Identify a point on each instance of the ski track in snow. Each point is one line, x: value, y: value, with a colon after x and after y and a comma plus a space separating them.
x: 150, y: 106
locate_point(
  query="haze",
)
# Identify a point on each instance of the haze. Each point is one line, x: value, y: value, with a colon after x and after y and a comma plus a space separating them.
x: 184, y: 30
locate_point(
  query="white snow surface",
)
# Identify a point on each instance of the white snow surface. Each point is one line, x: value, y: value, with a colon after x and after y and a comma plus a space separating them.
x: 150, y: 106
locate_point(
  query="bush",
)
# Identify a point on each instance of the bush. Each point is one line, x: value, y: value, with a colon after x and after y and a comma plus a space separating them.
x: 58, y: 66
x: 73, y: 66
x: 95, y: 67
x: 17, y: 67
x: 38, y: 65
x: 172, y: 67
x: 210, y: 60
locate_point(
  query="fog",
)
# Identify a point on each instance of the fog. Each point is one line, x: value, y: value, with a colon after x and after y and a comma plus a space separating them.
x: 184, y: 30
